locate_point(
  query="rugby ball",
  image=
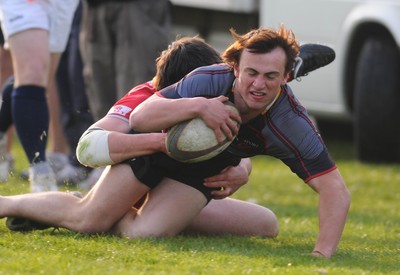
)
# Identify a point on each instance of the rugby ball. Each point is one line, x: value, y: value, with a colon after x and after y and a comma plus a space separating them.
x: 192, y: 141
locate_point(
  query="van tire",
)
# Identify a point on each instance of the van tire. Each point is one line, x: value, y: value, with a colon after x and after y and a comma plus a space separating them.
x: 377, y: 102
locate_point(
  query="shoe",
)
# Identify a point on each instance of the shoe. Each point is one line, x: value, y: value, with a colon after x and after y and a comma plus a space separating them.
x: 91, y: 179
x: 24, y: 174
x: 24, y: 225
x: 42, y: 178
x: 71, y: 174
x: 312, y: 57
x: 10, y: 160
x: 3, y: 169
x: 57, y: 160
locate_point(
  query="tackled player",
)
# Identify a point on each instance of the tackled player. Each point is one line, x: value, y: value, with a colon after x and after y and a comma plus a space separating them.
x: 107, y: 207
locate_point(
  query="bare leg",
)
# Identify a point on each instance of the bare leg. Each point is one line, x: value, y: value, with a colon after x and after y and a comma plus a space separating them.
x: 57, y: 139
x: 30, y: 56
x: 112, y: 197
x: 226, y: 216
x: 6, y: 71
x: 235, y: 217
x: 170, y: 207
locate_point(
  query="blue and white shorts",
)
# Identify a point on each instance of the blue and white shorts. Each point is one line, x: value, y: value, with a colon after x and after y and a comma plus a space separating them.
x: 55, y: 16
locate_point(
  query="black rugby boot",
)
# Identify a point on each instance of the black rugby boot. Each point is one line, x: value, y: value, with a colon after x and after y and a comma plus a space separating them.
x: 312, y: 57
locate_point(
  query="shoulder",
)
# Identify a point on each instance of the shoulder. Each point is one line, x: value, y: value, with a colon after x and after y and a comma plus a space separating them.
x: 137, y: 94
x: 208, y: 81
x: 293, y: 138
x: 291, y: 126
x: 219, y: 73
x: 216, y: 69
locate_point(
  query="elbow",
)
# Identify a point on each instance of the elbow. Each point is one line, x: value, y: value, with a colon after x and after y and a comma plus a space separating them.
x: 84, y: 156
x: 92, y: 149
x: 344, y: 194
x: 346, y: 197
x: 342, y: 197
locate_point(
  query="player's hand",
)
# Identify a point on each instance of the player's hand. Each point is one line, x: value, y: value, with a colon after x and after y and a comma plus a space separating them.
x: 221, y: 118
x: 229, y: 180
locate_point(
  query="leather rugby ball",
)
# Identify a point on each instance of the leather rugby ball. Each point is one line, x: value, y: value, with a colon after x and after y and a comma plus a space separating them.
x: 192, y: 141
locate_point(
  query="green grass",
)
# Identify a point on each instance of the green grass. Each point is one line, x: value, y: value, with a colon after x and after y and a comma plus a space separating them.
x: 370, y: 243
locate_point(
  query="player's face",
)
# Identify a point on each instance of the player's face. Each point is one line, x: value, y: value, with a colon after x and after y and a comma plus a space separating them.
x: 258, y: 80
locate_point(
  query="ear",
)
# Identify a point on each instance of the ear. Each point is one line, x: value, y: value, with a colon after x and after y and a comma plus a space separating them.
x: 236, y: 69
x: 285, y: 79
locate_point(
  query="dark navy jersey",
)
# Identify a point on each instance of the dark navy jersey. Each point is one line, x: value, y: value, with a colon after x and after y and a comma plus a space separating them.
x: 284, y: 131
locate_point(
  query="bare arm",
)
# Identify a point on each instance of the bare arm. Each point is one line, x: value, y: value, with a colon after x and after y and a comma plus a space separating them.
x: 334, y: 204
x: 121, y: 145
x: 158, y: 113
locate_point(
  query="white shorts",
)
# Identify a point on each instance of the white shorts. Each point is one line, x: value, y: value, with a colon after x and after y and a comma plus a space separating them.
x: 55, y: 16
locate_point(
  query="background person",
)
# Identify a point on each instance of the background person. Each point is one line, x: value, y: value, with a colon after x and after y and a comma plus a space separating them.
x: 121, y: 40
x: 6, y: 135
x: 36, y: 33
x: 75, y: 112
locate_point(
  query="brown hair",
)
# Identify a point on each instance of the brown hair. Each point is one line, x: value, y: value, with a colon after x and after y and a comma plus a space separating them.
x: 183, y: 56
x: 263, y: 40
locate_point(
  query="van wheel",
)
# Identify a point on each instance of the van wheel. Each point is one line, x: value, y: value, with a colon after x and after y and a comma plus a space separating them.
x: 377, y: 102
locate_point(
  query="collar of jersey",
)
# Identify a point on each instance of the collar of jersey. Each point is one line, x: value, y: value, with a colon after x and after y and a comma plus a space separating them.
x: 272, y: 103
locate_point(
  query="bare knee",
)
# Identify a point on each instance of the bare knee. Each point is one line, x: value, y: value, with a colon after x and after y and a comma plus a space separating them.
x: 267, y: 225
x: 90, y: 222
x: 90, y: 226
x: 132, y: 226
x: 147, y: 232
x: 271, y: 228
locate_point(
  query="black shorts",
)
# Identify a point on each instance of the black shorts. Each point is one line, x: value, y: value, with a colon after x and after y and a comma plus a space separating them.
x: 151, y: 169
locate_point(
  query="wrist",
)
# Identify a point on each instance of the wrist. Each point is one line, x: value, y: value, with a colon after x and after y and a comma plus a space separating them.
x: 162, y: 139
x: 246, y: 165
x: 199, y: 106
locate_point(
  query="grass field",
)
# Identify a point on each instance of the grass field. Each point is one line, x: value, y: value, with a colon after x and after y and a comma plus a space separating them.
x: 370, y: 243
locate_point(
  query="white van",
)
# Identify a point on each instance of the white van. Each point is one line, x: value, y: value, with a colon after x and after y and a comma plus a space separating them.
x: 363, y: 83
x: 361, y: 86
